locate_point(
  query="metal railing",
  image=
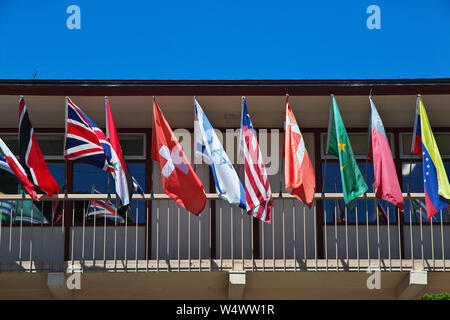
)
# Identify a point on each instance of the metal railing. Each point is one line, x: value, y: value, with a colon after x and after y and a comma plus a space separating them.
x: 166, y: 238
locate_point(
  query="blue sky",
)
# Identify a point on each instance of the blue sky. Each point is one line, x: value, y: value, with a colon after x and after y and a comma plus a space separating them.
x: 214, y: 39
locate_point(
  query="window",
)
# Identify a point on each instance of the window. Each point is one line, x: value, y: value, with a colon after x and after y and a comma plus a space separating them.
x: 365, y: 209
x: 359, y: 142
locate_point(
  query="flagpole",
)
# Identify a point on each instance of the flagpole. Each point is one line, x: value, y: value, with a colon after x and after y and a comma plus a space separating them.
x: 411, y: 152
x: 368, y: 139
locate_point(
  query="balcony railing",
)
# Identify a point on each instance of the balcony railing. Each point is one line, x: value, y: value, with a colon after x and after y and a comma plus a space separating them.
x: 167, y: 238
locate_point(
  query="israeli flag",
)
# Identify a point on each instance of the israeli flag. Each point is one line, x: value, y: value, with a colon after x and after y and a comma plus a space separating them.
x: 209, y: 148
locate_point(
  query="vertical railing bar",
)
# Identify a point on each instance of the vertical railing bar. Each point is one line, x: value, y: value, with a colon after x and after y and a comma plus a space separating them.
x: 221, y: 237
x: 315, y: 236
x: 210, y: 235
x: 126, y: 240
x: 168, y: 236
x: 411, y: 233
x: 251, y: 241
x: 11, y: 218
x: 421, y: 235
x: 378, y: 234
x: 104, y: 241
x: 389, y: 237
x: 94, y: 236
x: 399, y: 239
x: 52, y: 242
x: 31, y: 238
x: 232, y: 239
x: 357, y: 238
x: 42, y: 230
x: 1, y: 220
x: 336, y: 238
x: 115, y: 235
x: 273, y: 241
x: 442, y: 241
x: 189, y: 242
x: 83, y: 232
x: 367, y: 231
x: 432, y: 243
x: 73, y: 232
x: 326, y: 238
x: 200, y: 242
x: 147, y: 222
x: 242, y: 242
x: 284, y: 237
x: 305, y: 255
x: 346, y: 235
x: 263, y: 245
x: 20, y: 234
x: 178, y: 238
x: 136, y: 217
x: 157, y: 238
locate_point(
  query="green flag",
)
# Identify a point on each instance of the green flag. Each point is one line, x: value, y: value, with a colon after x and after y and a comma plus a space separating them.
x: 338, y: 144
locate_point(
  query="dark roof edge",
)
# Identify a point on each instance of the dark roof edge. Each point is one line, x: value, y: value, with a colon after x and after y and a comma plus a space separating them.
x: 224, y: 87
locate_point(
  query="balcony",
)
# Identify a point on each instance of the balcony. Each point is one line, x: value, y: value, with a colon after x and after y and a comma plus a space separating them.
x: 221, y: 238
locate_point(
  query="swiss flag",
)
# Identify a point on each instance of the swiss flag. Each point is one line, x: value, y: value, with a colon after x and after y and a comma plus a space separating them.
x: 300, y: 180
x: 179, y: 180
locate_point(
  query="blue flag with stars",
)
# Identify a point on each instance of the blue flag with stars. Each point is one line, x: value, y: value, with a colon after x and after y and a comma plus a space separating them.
x: 209, y: 148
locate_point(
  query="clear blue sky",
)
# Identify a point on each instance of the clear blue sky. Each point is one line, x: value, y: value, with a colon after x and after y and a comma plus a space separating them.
x: 219, y: 39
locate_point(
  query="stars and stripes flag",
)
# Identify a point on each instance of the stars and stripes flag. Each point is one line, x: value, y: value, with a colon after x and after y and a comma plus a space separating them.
x: 257, y: 187
x: 31, y: 156
x: 11, y: 164
x: 300, y: 180
x: 435, y: 180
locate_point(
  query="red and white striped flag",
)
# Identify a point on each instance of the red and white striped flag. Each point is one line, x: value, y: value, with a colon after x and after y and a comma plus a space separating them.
x: 257, y: 187
x: 300, y: 180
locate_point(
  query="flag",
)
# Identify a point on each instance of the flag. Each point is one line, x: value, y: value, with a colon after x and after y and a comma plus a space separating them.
x: 86, y: 142
x: 16, y: 168
x: 338, y: 144
x: 7, y: 209
x: 299, y: 175
x: 179, y: 180
x: 381, y: 212
x: 228, y: 185
x: 31, y: 156
x: 386, y: 182
x: 257, y: 187
x: 124, y: 181
x: 81, y: 141
x: 27, y: 211
x: 103, y: 209
x: 436, y: 185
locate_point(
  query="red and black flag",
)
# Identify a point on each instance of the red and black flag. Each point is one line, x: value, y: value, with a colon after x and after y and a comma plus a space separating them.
x: 31, y: 156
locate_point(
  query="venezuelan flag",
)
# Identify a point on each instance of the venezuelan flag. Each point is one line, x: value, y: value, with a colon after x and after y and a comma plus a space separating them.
x: 436, y: 185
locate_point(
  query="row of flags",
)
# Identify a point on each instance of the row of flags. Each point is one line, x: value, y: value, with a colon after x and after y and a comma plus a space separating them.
x: 85, y: 142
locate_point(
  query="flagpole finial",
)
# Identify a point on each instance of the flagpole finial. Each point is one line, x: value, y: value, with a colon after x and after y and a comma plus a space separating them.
x: 370, y: 93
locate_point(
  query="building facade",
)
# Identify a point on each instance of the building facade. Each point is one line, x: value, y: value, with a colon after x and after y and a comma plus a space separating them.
x: 161, y: 251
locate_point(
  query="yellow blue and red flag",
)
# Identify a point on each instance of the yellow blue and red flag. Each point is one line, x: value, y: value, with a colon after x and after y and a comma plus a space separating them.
x: 435, y: 181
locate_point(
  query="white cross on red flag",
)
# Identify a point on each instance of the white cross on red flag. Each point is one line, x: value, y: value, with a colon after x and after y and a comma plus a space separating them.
x: 299, y: 173
x: 179, y: 179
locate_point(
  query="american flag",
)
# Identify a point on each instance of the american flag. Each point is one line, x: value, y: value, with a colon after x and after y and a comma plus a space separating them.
x: 257, y: 188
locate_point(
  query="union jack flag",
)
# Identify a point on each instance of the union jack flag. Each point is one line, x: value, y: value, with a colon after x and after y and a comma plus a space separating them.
x: 85, y: 142
x: 103, y: 209
x: 82, y: 141
x: 257, y: 188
